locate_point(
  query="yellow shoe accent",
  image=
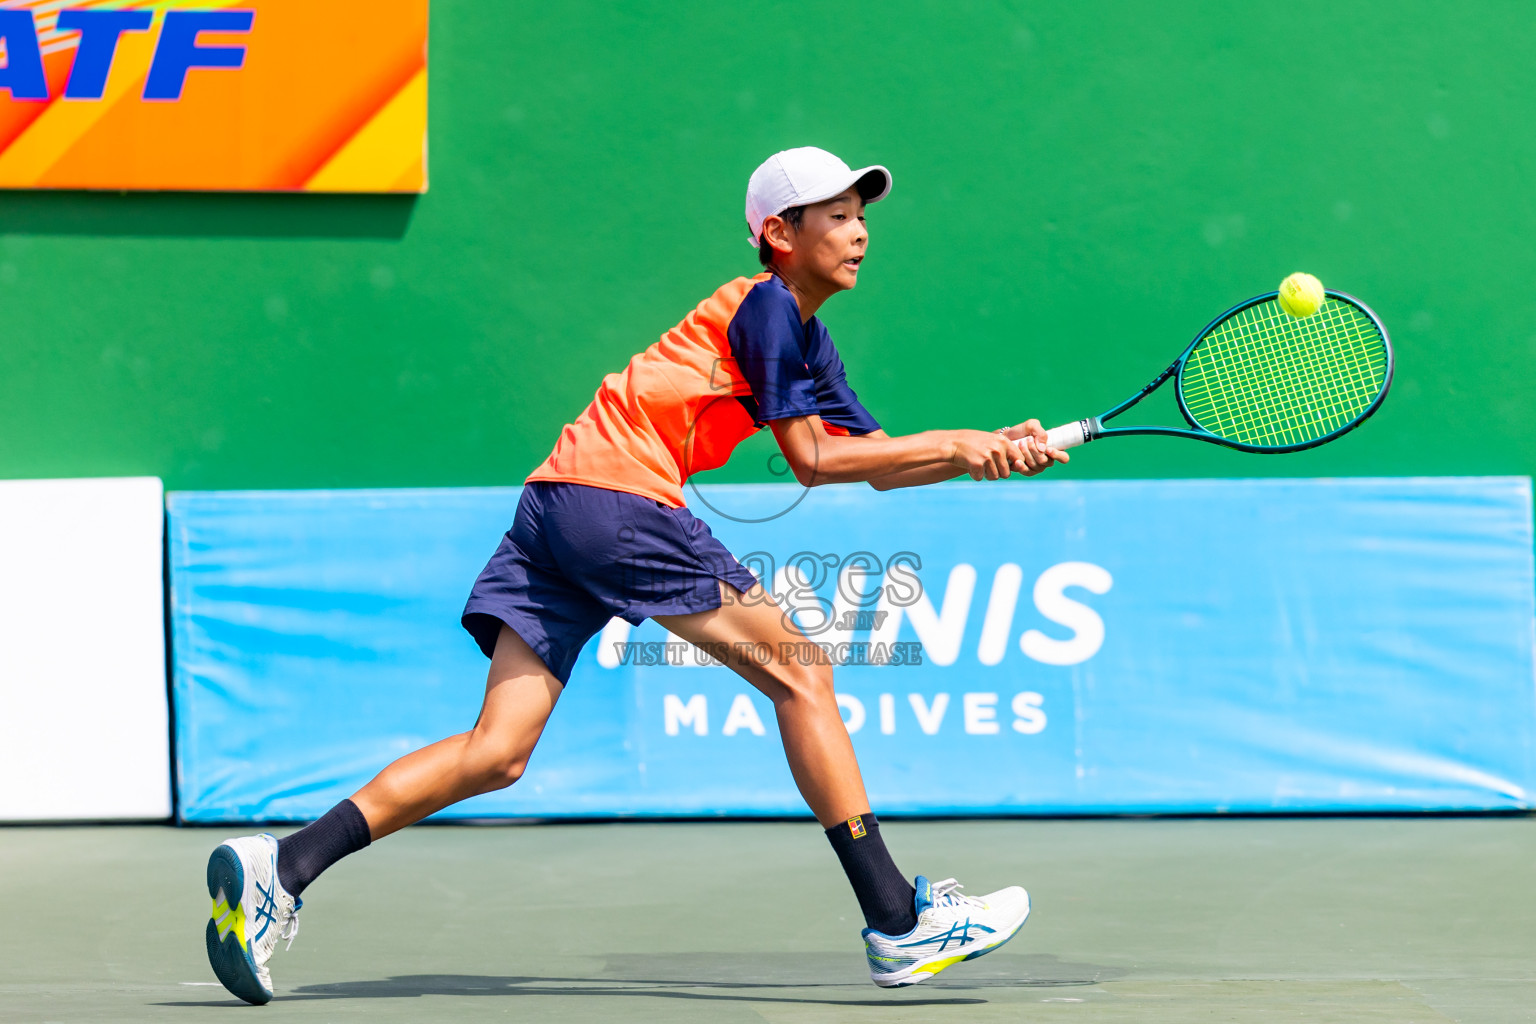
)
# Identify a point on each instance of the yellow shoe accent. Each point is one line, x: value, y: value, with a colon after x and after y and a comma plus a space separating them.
x: 227, y: 920
x: 939, y: 965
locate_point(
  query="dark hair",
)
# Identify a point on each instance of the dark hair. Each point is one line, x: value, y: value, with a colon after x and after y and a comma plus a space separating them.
x: 795, y: 218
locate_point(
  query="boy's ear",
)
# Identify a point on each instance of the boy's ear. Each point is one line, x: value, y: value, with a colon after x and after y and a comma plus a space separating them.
x: 777, y: 234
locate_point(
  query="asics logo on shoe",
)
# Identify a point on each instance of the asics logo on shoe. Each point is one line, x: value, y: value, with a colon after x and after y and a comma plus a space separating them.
x: 960, y: 934
x: 266, y: 910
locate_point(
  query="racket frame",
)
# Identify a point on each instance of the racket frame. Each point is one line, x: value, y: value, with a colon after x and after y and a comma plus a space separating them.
x: 1093, y: 427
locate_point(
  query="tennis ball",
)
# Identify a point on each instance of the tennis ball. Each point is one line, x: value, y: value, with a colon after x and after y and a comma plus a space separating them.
x: 1301, y: 295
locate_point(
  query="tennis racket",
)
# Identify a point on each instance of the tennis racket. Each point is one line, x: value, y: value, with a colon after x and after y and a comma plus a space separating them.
x: 1260, y: 380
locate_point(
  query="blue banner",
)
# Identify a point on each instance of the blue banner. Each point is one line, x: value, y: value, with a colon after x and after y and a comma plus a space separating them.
x: 1029, y: 648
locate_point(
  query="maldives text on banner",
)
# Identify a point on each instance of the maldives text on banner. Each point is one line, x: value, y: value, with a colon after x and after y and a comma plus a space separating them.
x: 254, y: 95
x: 1115, y: 646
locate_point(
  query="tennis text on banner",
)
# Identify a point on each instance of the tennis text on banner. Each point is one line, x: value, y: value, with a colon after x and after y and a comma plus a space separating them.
x: 938, y: 623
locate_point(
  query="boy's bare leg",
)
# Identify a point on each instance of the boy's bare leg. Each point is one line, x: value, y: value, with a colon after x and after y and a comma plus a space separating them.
x: 815, y: 740
x: 520, y: 693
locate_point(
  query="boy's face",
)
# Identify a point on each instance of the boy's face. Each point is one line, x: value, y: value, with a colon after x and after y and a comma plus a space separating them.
x: 832, y: 239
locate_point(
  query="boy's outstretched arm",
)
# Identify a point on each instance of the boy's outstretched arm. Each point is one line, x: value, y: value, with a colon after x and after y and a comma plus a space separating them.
x: 1035, y: 458
x: 817, y: 457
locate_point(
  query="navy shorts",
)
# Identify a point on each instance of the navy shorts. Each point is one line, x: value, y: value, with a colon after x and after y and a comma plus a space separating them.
x: 577, y: 556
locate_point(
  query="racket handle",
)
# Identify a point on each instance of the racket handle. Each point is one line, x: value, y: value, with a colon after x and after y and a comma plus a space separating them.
x: 1070, y: 435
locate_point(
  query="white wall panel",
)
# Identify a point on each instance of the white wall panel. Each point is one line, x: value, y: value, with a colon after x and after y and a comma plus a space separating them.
x: 83, y: 711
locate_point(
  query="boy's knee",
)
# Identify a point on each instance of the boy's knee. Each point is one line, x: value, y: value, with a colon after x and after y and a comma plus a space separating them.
x: 812, y: 683
x: 503, y: 773
x: 497, y: 769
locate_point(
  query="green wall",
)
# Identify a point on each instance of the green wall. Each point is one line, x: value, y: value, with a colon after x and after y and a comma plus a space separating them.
x: 1079, y: 187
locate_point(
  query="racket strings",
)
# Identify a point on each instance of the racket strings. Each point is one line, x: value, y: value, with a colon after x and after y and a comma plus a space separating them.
x: 1267, y: 379
x: 1273, y: 377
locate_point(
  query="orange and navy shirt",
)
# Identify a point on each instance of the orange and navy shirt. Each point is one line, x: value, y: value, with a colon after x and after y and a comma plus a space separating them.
x: 740, y: 360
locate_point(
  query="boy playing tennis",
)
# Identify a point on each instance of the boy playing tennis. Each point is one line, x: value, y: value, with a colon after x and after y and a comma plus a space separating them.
x: 751, y: 354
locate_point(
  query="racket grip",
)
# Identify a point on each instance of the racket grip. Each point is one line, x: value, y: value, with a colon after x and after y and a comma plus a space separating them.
x: 1069, y: 435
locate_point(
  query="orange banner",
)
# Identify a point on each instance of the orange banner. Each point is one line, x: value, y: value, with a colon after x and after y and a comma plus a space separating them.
x: 258, y: 95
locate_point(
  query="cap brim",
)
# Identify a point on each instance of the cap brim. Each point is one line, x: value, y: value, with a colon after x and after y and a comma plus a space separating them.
x: 875, y: 188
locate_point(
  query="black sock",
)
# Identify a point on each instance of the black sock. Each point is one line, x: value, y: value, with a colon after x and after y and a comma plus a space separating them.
x: 884, y: 895
x: 302, y: 856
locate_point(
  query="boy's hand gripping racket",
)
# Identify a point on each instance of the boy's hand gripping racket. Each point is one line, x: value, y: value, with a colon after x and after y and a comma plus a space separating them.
x: 1259, y: 380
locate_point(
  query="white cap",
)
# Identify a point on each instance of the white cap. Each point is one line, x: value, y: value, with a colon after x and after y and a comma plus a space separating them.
x: 799, y: 177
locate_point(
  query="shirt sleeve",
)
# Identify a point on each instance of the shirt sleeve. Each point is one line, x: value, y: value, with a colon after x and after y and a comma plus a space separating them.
x: 840, y: 408
x: 768, y: 342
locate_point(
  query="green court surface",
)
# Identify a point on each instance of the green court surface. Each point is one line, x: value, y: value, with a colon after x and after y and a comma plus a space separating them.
x: 1342, y: 919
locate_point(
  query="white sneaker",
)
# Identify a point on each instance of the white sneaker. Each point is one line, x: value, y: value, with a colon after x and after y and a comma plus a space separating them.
x: 950, y: 928
x: 251, y: 912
